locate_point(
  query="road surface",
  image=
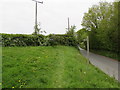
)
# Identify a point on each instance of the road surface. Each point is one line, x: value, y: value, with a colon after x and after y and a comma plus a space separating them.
x: 107, y: 65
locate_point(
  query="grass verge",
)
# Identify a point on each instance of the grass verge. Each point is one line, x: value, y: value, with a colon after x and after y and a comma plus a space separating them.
x: 109, y: 54
x: 50, y: 67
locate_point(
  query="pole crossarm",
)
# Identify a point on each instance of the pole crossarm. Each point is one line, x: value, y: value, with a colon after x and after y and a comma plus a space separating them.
x: 38, y: 1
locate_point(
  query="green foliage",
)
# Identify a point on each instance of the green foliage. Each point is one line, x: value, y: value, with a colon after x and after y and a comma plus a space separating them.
x: 102, y: 22
x: 37, y: 30
x: 22, y: 40
x: 48, y: 67
x: 65, y: 39
x: 71, y: 31
x: 81, y: 37
x: 110, y: 54
x: 72, y: 35
x: 37, y: 40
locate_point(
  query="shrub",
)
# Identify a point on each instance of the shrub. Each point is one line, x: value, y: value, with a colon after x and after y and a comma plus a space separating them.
x: 22, y: 40
x: 37, y: 40
x: 62, y: 39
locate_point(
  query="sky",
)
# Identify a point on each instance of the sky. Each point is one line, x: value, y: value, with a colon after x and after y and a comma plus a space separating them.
x: 18, y: 16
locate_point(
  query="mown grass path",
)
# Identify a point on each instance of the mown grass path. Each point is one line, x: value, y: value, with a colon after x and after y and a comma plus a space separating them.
x: 58, y: 75
x: 50, y: 67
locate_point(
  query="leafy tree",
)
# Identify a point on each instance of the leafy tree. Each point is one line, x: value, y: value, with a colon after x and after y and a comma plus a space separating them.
x: 81, y: 37
x: 38, y: 30
x: 102, y: 22
x: 71, y: 31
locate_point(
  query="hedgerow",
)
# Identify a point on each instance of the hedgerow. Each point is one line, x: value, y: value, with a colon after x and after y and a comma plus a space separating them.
x: 62, y: 39
x: 22, y: 40
x: 37, y: 40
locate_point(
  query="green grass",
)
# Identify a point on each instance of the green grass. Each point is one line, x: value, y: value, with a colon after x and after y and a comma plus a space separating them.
x: 50, y: 67
x: 109, y: 54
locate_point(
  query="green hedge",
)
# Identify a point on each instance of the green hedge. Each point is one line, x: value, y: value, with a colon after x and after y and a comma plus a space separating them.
x: 22, y: 40
x: 62, y: 39
x: 37, y: 40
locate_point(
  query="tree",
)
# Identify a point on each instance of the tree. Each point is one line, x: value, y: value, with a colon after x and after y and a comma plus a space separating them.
x: 102, y: 22
x: 38, y: 29
x: 71, y: 31
x: 81, y: 36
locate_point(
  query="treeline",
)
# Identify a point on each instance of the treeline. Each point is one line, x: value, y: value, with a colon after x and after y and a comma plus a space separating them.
x: 36, y: 40
x: 101, y: 23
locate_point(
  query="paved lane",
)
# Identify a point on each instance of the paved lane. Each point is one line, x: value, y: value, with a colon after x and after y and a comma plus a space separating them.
x: 107, y: 65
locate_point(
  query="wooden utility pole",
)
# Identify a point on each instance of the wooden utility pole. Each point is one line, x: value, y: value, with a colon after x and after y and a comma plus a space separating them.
x: 68, y: 24
x: 36, y: 14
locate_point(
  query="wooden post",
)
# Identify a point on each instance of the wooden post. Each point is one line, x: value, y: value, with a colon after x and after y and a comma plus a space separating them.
x: 87, y: 47
x: 68, y: 24
x: 36, y: 18
x: 36, y: 14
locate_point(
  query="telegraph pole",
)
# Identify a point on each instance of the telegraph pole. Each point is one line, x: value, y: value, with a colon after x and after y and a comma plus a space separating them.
x: 68, y: 24
x: 36, y: 14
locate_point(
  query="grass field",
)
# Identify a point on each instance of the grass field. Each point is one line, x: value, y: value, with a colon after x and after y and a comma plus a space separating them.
x: 50, y: 67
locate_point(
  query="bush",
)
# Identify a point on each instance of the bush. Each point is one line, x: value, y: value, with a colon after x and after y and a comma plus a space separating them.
x: 37, y: 40
x: 63, y: 39
x: 22, y: 40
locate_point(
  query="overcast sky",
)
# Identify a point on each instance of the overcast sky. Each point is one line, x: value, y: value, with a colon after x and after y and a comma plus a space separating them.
x: 18, y: 16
